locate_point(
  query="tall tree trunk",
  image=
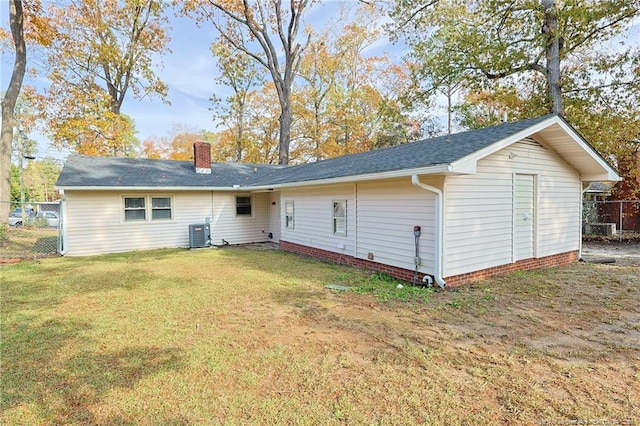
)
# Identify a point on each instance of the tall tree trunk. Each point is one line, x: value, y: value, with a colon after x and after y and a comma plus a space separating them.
x: 285, y: 131
x: 449, y: 109
x: 240, y: 139
x: 16, y: 21
x: 550, y: 30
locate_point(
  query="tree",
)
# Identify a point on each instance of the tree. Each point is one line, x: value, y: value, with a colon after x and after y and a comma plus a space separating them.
x: 16, y: 22
x: 102, y: 50
x: 263, y: 121
x: 527, y: 58
x: 176, y: 146
x: 265, y: 23
x: 239, y: 72
x: 40, y: 177
x: 494, y: 40
x: 348, y: 100
x: 151, y: 150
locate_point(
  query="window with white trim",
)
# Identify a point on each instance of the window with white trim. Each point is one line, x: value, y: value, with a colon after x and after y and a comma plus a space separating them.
x: 243, y: 205
x: 160, y: 208
x: 340, y: 218
x: 144, y: 208
x: 289, y: 215
x: 134, y: 208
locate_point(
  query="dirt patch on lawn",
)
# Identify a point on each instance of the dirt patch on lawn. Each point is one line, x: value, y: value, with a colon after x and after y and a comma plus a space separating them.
x: 542, y: 346
x: 627, y: 254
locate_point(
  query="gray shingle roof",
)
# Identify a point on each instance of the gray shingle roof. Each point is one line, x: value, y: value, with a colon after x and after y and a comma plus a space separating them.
x: 81, y: 171
x: 86, y: 171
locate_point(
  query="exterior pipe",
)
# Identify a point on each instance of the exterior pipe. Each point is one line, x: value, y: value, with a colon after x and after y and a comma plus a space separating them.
x: 585, y: 188
x: 437, y: 267
x: 62, y: 230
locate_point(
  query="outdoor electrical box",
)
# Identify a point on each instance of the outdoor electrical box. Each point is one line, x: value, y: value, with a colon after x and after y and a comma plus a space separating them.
x: 417, y: 230
x: 199, y: 235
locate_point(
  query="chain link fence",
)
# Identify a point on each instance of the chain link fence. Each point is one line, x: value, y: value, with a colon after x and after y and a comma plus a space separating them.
x: 615, y: 219
x: 31, y: 235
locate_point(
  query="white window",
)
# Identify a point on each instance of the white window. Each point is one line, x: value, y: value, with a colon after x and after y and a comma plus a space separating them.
x: 243, y: 205
x: 134, y: 208
x: 160, y: 208
x: 288, y: 215
x: 340, y: 218
x: 143, y: 208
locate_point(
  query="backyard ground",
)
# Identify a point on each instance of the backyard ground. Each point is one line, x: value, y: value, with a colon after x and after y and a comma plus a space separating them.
x: 246, y: 336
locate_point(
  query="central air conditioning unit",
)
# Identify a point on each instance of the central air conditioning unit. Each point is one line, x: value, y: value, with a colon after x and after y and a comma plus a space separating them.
x: 199, y: 235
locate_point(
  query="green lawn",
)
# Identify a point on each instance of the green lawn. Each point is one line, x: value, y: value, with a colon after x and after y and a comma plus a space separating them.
x: 240, y: 336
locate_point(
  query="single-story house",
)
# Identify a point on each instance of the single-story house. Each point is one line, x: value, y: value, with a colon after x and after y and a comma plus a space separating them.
x: 451, y: 209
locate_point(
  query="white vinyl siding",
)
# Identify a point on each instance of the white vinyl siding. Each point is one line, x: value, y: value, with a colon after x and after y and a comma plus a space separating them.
x: 558, y: 209
x: 239, y: 229
x: 274, y: 216
x: 314, y: 215
x: 387, y: 211
x: 479, y: 209
x: 95, y: 221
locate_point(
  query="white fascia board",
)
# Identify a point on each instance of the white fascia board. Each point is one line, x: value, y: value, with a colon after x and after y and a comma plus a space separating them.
x: 600, y: 177
x: 609, y: 175
x: 439, y: 169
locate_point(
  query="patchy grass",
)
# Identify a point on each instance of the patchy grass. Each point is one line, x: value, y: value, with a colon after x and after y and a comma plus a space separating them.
x: 383, y: 287
x: 241, y: 336
x: 28, y: 242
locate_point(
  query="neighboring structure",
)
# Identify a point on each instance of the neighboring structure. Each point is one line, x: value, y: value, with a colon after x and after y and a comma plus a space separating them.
x: 597, y: 191
x: 454, y: 208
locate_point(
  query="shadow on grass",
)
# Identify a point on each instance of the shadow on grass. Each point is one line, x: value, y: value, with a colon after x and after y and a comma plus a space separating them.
x: 46, y: 245
x: 28, y: 285
x: 51, y: 368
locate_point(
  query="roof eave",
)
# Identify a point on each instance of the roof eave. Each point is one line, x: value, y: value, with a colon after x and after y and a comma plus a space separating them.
x: 600, y: 177
x: 607, y: 173
x: 431, y: 170
x: 150, y: 188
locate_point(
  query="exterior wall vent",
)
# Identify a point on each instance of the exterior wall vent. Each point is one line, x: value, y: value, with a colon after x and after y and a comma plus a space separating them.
x: 199, y: 235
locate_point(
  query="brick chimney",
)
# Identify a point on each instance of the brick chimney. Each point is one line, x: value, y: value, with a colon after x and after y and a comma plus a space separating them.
x: 202, y: 157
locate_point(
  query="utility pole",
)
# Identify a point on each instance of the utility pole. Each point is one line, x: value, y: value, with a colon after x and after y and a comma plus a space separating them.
x: 21, y: 156
x: 21, y: 177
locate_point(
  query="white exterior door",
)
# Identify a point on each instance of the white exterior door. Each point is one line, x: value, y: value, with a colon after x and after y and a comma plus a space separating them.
x: 524, y: 216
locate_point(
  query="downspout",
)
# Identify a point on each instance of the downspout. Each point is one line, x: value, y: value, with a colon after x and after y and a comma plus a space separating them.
x: 62, y: 230
x: 584, y: 189
x: 437, y: 267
